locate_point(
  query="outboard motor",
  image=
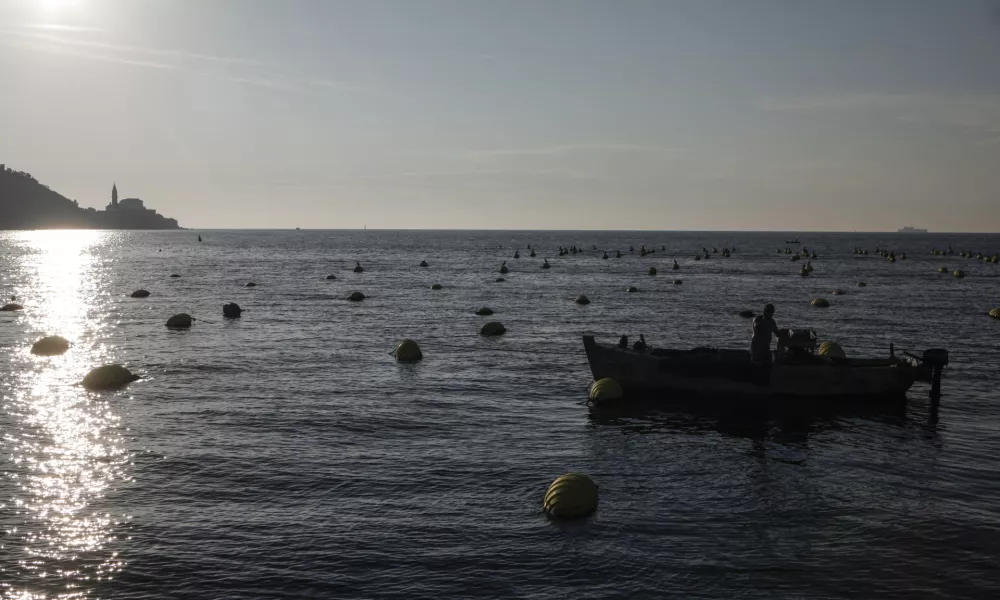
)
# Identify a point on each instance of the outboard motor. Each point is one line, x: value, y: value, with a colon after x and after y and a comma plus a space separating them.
x: 936, y: 359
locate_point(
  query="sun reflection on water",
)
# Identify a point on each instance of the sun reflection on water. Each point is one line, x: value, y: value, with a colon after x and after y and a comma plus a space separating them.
x: 61, y: 449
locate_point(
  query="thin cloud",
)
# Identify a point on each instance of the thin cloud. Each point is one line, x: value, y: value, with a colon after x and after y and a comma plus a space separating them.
x: 108, y: 58
x: 57, y: 27
x: 427, y: 177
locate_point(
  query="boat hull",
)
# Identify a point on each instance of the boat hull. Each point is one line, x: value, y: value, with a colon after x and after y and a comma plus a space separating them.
x: 729, y: 374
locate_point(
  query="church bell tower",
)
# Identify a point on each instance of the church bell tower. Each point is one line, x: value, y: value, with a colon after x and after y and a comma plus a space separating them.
x: 114, y: 194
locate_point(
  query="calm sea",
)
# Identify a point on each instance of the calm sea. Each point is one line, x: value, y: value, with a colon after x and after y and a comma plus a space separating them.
x: 286, y: 455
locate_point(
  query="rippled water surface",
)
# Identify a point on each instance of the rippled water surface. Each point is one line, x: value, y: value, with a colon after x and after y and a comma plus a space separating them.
x: 286, y: 455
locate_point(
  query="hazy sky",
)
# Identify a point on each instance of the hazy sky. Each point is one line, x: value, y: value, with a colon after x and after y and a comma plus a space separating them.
x: 656, y: 114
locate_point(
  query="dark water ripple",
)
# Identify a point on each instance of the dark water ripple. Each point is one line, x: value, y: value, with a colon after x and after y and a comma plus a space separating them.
x: 285, y: 455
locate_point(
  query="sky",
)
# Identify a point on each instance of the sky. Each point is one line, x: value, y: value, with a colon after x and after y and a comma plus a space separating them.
x: 832, y: 115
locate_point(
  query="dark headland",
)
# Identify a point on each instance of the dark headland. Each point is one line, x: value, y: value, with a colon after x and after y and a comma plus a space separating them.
x: 27, y: 204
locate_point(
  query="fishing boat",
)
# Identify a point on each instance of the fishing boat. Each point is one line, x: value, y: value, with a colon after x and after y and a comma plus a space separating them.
x: 797, y: 373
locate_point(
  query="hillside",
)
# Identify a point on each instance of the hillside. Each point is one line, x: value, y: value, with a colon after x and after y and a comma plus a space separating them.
x: 27, y: 204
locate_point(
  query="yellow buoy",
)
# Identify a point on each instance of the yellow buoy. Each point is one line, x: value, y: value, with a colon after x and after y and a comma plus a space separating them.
x: 51, y: 345
x: 571, y: 496
x: 605, y: 389
x: 995, y: 313
x: 832, y: 349
x: 180, y: 321
x: 942, y: 269
x: 581, y: 299
x: 838, y: 292
x: 959, y: 273
x: 493, y: 328
x: 803, y: 272
x: 820, y: 303
x: 108, y: 377
x: 356, y: 297
x: 651, y: 271
x: 407, y: 351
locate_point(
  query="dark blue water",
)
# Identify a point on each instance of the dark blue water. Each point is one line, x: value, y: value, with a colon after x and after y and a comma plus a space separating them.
x: 286, y: 455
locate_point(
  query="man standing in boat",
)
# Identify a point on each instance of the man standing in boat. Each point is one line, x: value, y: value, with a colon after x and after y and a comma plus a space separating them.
x: 760, y: 345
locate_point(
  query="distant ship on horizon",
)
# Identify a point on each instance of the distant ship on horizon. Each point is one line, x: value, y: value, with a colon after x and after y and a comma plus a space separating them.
x: 909, y: 229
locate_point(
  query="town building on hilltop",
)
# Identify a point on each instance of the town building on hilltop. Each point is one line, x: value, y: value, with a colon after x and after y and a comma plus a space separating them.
x: 129, y: 204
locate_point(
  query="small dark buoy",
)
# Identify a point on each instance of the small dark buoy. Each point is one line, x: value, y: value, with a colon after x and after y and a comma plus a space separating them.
x: 51, y: 345
x: 436, y: 286
x: 605, y: 257
x: 407, y: 351
x: 532, y: 255
x: 140, y: 294
x: 356, y: 297
x: 678, y: 282
x: 676, y: 266
x: 862, y: 284
x: 108, y: 377
x: 484, y: 311
x: 581, y: 299
x: 175, y: 275
x: 250, y: 284
x: 199, y: 238
x: 631, y: 289
x: 231, y: 310
x: 499, y: 280
x: 493, y: 328
x: 503, y: 268
x: 838, y: 292
x: 330, y: 277
x: 423, y: 263
x: 180, y: 321
x: 821, y: 303
x: 746, y: 314
x: 651, y: 271
x: 546, y: 265
x: 359, y: 268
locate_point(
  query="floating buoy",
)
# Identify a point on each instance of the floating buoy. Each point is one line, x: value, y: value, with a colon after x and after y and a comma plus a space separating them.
x: 436, y: 286
x: 891, y: 259
x: 862, y: 284
x: 820, y: 303
x: 140, y: 294
x: 11, y: 307
x: 250, y: 284
x: 676, y: 266
x: 838, y: 292
x: 570, y: 496
x: 499, y: 280
x: 747, y: 314
x: 959, y: 273
x: 484, y: 311
x: 631, y: 289
x: 995, y: 313
x: 180, y: 321
x: 331, y: 277
x: 942, y: 269
x: 356, y: 297
x: 902, y: 256
x: 651, y: 271
x: 503, y: 268
x: 493, y: 328
x: 678, y: 282
x: 832, y: 349
x: 50, y: 345
x: 423, y: 263
x: 581, y: 299
x: 697, y: 257
x: 546, y: 265
x: 605, y: 257
x: 407, y: 351
x: 605, y: 389
x: 175, y: 275
x: 804, y: 272
x: 795, y: 258
x: 108, y: 377
x: 358, y: 268
x: 231, y: 310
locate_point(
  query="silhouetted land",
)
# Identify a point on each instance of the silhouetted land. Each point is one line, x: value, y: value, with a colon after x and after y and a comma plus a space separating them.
x: 27, y: 204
